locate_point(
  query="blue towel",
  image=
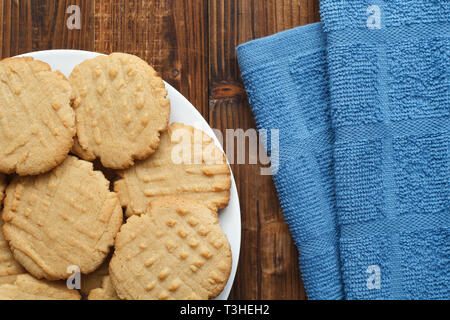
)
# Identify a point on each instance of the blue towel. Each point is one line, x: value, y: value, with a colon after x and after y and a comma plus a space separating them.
x: 375, y: 97
x: 388, y: 65
x: 287, y: 85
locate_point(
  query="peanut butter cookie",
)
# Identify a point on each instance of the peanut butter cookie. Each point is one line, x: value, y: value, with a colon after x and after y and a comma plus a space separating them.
x: 105, y: 292
x: 65, y: 218
x: 26, y: 287
x: 9, y: 267
x: 2, y: 188
x: 37, y: 122
x: 121, y: 108
x: 175, y: 251
x: 187, y: 164
x: 94, y: 280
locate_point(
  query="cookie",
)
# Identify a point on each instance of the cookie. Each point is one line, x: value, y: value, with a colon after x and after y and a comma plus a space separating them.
x: 9, y: 267
x: 94, y: 280
x: 2, y: 188
x: 105, y: 292
x: 121, y: 108
x: 65, y: 218
x: 79, y: 151
x: 9, y: 279
x: 187, y: 164
x: 37, y: 122
x: 177, y: 250
x: 28, y: 288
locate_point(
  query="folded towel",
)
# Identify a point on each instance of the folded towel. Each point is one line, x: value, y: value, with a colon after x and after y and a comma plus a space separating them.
x: 287, y: 84
x: 390, y: 103
x: 375, y: 95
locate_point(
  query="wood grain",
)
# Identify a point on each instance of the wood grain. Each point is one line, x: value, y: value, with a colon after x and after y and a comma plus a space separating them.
x: 192, y: 45
x: 269, y: 258
x: 170, y: 35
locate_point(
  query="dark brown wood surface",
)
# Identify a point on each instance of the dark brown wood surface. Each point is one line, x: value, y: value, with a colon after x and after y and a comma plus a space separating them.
x: 192, y: 44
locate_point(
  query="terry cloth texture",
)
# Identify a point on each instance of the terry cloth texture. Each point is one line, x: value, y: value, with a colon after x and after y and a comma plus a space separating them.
x: 375, y: 97
x: 388, y: 65
x: 287, y: 84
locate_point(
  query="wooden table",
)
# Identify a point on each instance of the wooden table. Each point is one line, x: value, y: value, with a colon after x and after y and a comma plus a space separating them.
x: 192, y: 44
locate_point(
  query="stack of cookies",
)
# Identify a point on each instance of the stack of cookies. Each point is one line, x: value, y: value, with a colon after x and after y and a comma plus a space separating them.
x: 59, y: 140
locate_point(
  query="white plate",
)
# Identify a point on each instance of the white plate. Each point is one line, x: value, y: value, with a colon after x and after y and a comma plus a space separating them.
x: 182, y: 111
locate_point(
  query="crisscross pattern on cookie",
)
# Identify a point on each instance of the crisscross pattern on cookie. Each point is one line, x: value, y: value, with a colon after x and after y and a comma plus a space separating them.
x: 121, y: 108
x: 37, y: 122
x: 176, y: 251
x: 187, y: 164
x: 65, y: 218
